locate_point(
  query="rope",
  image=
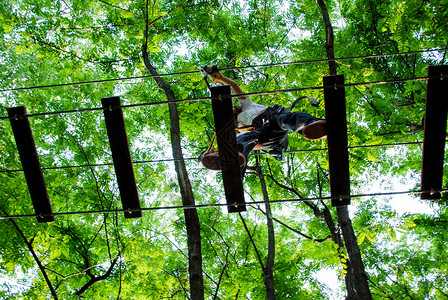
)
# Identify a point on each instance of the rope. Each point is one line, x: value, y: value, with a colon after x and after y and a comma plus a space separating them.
x: 195, y: 158
x: 349, y: 147
x: 101, y: 108
x: 210, y: 147
x: 5, y: 217
x: 335, y: 59
x: 226, y: 68
x: 101, y: 165
x: 233, y: 96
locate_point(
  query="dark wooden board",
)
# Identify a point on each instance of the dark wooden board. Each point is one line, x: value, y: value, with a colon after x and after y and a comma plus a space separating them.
x: 336, y: 116
x: 227, y: 146
x: 121, y: 156
x: 434, y: 132
x: 30, y: 163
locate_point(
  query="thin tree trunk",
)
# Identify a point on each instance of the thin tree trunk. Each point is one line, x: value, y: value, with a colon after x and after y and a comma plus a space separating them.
x: 358, y: 287
x: 191, y: 215
x: 337, y: 239
x: 329, y: 37
x: 269, y: 268
x: 356, y: 278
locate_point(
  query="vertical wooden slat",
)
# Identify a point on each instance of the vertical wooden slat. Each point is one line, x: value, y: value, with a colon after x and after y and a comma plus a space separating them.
x: 30, y: 163
x: 121, y: 156
x: 227, y: 146
x: 434, y: 132
x: 335, y: 110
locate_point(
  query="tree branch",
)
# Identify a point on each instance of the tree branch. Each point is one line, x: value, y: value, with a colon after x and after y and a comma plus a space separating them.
x: 314, y: 207
x: 252, y: 241
x: 215, y: 296
x: 180, y: 282
x: 34, y: 254
x: 95, y: 279
x: 356, y: 278
x: 295, y: 230
x: 381, y: 290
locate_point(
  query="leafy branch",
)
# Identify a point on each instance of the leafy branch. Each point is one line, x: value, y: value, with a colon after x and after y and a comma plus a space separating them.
x: 295, y: 230
x: 29, y: 244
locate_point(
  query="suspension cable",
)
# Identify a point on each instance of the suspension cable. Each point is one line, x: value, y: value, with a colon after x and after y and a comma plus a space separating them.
x: 225, y: 68
x: 195, y: 158
x: 233, y: 96
x: 175, y: 207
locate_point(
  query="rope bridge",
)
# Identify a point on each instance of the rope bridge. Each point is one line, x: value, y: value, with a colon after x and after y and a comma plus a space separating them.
x: 334, y: 97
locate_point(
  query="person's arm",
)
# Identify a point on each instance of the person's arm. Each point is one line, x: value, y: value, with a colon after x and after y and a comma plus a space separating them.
x: 217, y: 77
x: 235, y: 87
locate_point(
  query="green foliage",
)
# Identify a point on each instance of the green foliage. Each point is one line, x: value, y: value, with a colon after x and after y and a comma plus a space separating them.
x: 52, y: 43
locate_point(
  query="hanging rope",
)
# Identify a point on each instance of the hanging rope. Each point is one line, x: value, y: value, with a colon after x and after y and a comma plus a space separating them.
x: 210, y: 147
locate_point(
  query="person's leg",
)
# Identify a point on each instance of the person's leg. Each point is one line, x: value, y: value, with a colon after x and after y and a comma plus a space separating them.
x: 246, y: 143
x: 309, y: 126
x: 316, y: 130
x: 294, y: 121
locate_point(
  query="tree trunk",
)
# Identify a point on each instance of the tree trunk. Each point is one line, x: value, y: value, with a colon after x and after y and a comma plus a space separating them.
x: 337, y: 239
x: 269, y: 268
x: 357, y: 285
x: 329, y: 45
x: 191, y: 214
x: 356, y: 278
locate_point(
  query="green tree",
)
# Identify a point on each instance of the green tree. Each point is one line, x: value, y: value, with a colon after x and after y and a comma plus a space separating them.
x: 51, y: 44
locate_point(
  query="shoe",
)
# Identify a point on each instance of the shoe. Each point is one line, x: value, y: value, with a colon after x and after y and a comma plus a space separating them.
x: 211, y: 161
x: 315, y: 131
x: 213, y: 72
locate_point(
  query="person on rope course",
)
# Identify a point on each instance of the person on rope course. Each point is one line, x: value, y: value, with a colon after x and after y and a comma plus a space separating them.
x: 266, y: 127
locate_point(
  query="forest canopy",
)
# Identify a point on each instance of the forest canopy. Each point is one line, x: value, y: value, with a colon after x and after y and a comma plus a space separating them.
x: 59, y: 58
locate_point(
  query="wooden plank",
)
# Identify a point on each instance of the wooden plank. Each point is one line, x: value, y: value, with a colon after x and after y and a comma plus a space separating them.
x: 434, y: 132
x: 334, y: 94
x: 121, y: 156
x: 227, y: 146
x: 30, y: 163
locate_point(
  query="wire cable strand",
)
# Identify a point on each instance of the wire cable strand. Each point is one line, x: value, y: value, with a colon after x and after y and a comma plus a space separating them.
x: 195, y: 158
x: 90, y: 212
x: 233, y: 96
x: 226, y: 68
